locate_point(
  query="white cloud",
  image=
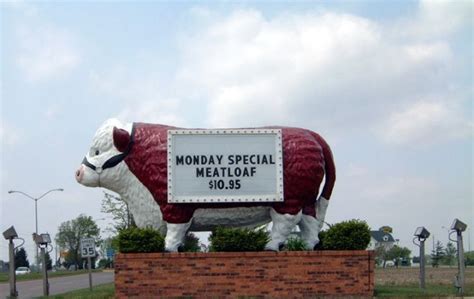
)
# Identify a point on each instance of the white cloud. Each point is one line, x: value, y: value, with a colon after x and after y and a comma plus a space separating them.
x: 141, y: 99
x: 45, y: 51
x: 163, y: 111
x: 330, y: 72
x: 425, y: 122
x: 441, y: 17
x: 326, y: 71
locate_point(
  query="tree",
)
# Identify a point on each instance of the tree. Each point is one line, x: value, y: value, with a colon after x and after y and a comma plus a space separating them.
x: 70, y: 234
x: 381, y: 255
x: 450, y: 254
x: 437, y: 254
x: 110, y: 243
x: 469, y: 256
x: 119, y: 210
x: 105, y: 263
x: 21, y: 259
x: 397, y: 254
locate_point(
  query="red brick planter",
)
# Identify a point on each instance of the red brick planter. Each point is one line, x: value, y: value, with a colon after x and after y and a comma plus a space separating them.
x: 233, y: 274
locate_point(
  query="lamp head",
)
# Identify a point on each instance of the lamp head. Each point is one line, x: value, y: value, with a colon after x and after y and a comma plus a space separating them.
x: 458, y: 225
x: 10, y: 233
x: 42, y: 239
x: 46, y: 238
x: 422, y: 233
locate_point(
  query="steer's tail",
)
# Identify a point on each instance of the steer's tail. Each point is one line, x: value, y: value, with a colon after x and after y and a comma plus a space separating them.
x: 329, y: 168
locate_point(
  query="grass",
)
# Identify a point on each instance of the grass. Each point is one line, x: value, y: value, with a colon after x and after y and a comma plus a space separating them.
x: 107, y: 291
x: 404, y: 282
x: 31, y: 276
x: 432, y: 290
x: 103, y: 291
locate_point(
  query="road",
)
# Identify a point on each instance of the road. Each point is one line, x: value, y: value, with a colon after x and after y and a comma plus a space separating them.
x: 57, y: 285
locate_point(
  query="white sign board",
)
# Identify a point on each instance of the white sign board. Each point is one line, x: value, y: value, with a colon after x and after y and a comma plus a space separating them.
x: 88, y: 247
x: 209, y: 166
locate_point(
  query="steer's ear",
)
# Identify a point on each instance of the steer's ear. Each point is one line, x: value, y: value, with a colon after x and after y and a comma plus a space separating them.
x: 121, y: 139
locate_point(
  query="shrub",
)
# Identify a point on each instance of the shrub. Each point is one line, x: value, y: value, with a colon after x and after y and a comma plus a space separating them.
x: 191, y: 243
x: 136, y: 239
x: 238, y: 239
x: 296, y: 244
x: 321, y: 236
x: 347, y: 235
x: 105, y: 263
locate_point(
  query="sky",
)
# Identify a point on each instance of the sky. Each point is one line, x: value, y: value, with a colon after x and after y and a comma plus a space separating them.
x: 388, y: 84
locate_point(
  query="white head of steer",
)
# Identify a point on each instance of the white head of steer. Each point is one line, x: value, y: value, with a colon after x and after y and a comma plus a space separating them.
x: 103, y: 166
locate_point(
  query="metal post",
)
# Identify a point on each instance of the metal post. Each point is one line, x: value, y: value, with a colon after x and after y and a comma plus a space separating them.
x: 56, y: 257
x: 13, y: 292
x: 469, y: 239
x: 461, y: 266
x: 45, y: 273
x: 422, y: 263
x: 433, y: 243
x: 36, y: 221
x: 90, y: 272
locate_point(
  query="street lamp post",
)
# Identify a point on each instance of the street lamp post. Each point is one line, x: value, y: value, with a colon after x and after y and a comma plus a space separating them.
x: 421, y: 234
x: 36, y: 213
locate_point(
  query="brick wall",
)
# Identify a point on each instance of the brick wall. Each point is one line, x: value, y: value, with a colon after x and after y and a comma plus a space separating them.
x: 233, y: 274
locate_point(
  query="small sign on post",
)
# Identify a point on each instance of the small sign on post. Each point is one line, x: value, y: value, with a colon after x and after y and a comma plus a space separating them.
x: 88, y: 251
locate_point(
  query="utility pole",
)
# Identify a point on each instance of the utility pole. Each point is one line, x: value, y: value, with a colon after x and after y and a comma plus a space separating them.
x: 10, y: 234
x: 422, y: 264
x: 459, y: 227
x: 45, y: 272
x: 43, y: 241
x: 422, y: 234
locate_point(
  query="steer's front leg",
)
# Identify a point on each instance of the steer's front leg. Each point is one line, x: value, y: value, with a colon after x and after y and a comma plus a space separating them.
x: 282, y: 226
x: 175, y: 235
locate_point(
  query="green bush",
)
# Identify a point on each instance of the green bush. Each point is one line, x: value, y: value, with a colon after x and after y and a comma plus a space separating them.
x: 105, y: 263
x: 191, y: 243
x: 136, y: 239
x: 347, y: 235
x: 238, y: 239
x: 296, y: 244
x: 469, y: 256
x: 321, y: 236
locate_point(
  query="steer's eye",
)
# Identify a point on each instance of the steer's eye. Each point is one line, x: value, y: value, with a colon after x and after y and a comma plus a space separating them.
x: 97, y: 152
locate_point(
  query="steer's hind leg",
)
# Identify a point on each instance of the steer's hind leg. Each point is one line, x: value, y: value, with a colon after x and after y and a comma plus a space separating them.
x: 282, y: 226
x: 175, y: 233
x: 310, y: 226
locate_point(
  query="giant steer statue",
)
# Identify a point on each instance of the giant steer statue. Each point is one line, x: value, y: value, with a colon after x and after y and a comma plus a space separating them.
x: 131, y: 160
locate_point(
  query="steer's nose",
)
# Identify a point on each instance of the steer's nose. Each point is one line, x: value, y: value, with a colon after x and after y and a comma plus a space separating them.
x: 79, y: 174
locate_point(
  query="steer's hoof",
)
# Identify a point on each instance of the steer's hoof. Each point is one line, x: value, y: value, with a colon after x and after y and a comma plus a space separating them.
x: 272, y: 247
x: 171, y: 250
